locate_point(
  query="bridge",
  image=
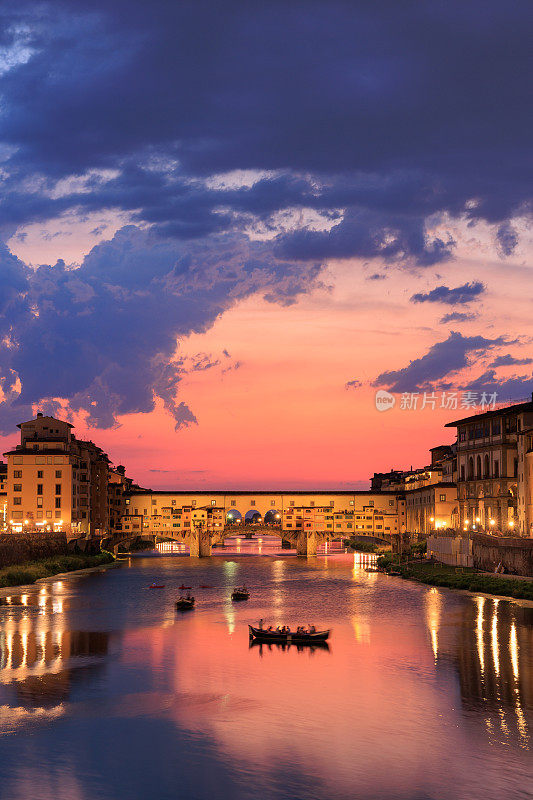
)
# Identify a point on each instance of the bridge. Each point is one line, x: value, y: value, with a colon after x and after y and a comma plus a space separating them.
x: 201, y: 541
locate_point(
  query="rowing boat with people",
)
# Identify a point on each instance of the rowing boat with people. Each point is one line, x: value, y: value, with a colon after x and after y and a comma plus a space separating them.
x: 286, y: 635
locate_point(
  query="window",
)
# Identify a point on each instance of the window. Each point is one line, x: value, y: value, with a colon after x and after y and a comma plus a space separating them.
x: 213, y: 502
x: 58, y: 460
x: 17, y: 460
x: 291, y: 503
x: 17, y: 487
x: 312, y: 503
x: 17, y: 514
x: 442, y: 498
x: 40, y: 473
x: 48, y: 459
x: 332, y: 503
x: 154, y: 502
x: 17, y: 501
x: 58, y: 473
x: 370, y: 502
x: 173, y: 502
x: 273, y: 503
x: 193, y: 503
x: 233, y: 502
x: 17, y: 473
x: 352, y: 502
x: 496, y: 469
x: 40, y: 502
x: 57, y: 514
x: 39, y: 488
x: 48, y: 513
x: 58, y: 502
x: 40, y: 514
x: 391, y: 502
x: 58, y: 488
x: 252, y: 502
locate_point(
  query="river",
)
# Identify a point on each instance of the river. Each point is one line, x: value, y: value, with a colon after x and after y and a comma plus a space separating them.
x: 107, y: 692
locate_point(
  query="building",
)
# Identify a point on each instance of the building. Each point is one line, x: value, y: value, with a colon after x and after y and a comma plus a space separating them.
x: 3, y: 496
x: 431, y: 508
x: 493, y: 461
x: 344, y: 512
x: 56, y: 482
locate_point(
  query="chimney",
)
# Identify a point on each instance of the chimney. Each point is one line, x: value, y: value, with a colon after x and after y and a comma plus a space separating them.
x: 39, y: 413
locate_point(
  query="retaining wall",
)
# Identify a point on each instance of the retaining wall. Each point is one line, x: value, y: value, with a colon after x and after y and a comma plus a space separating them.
x: 17, y: 548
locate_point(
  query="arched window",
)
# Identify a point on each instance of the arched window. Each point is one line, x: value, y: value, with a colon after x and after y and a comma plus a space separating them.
x: 487, y: 467
x: 470, y: 468
x: 478, y: 466
x: 462, y: 472
x: 496, y: 469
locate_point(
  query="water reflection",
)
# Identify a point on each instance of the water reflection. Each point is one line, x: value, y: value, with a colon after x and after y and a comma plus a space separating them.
x: 421, y: 690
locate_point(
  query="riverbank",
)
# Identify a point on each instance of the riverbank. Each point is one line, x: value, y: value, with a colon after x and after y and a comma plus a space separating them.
x: 27, y: 574
x: 436, y: 574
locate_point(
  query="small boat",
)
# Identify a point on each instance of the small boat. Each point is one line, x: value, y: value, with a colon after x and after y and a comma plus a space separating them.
x: 240, y: 594
x: 182, y: 587
x: 372, y: 569
x: 184, y: 603
x: 205, y: 586
x: 285, y: 646
x: 297, y: 637
x: 157, y: 586
x: 394, y: 573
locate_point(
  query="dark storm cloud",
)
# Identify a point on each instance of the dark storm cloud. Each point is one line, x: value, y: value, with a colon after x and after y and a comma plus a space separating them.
x: 104, y: 335
x: 442, y: 359
x: 397, y: 110
x: 509, y: 360
x: 460, y: 295
x: 457, y: 316
x: 377, y: 116
x: 518, y: 387
x: 507, y: 239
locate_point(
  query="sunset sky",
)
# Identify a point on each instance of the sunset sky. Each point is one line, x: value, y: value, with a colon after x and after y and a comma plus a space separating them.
x: 226, y: 225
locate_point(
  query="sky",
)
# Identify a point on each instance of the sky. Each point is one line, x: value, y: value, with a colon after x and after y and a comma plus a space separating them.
x: 224, y: 227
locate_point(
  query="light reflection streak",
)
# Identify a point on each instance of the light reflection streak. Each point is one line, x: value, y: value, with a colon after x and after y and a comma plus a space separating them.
x: 494, y: 639
x: 479, y: 634
x: 513, y: 647
x: 433, y: 612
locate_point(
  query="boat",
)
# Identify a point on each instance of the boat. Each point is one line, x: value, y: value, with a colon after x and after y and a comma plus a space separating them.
x: 157, y: 586
x: 296, y: 637
x: 206, y: 586
x: 284, y: 646
x: 240, y: 594
x: 184, y: 603
x: 182, y: 587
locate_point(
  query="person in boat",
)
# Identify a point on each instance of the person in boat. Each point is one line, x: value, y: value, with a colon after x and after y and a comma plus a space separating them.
x: 260, y: 624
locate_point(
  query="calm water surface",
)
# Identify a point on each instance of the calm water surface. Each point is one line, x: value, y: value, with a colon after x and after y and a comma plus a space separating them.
x: 106, y: 692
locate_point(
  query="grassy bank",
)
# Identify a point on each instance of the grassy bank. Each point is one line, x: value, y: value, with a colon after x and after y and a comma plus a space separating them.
x: 460, y: 578
x: 31, y: 571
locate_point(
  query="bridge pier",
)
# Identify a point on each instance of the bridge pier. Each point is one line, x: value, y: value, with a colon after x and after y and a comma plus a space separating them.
x: 199, y: 544
x: 306, y: 543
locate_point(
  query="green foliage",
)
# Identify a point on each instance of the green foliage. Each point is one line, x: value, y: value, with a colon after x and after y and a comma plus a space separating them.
x: 463, y: 578
x: 360, y: 545
x: 31, y: 571
x: 419, y: 548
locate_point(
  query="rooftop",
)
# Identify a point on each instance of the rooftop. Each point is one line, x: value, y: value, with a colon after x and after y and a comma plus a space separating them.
x: 517, y: 408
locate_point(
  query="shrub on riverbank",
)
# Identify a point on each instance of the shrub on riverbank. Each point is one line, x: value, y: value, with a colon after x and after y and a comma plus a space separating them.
x: 31, y: 571
x: 461, y: 578
x: 360, y: 545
